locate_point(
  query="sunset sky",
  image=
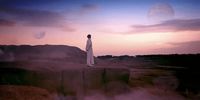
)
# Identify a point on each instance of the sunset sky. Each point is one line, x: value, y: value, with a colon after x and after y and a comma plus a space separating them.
x: 118, y: 27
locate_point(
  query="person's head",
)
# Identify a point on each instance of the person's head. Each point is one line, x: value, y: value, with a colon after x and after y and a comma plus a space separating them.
x: 88, y: 36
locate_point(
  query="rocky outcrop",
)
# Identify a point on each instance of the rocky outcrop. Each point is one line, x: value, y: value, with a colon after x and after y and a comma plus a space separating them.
x: 42, y: 53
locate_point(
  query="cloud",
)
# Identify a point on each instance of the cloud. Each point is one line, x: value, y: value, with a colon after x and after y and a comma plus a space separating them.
x: 68, y: 28
x: 186, y: 43
x: 87, y: 8
x: 4, y: 22
x: 39, y: 35
x: 168, y: 26
x: 33, y: 17
x: 181, y: 47
x: 26, y: 2
x: 36, y: 18
x: 90, y: 6
x: 191, y: 46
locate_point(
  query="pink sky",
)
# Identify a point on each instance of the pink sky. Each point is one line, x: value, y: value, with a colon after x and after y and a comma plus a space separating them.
x: 116, y: 28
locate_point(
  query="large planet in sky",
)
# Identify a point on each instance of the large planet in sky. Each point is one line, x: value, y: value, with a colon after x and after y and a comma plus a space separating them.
x: 160, y: 12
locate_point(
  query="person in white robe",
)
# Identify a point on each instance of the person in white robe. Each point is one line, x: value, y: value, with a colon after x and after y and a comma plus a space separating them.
x: 89, y: 50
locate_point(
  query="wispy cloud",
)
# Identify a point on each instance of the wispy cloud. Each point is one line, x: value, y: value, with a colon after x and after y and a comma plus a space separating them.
x: 90, y: 6
x: 27, y: 2
x: 33, y: 17
x: 187, y: 47
x: 168, y: 26
x: 191, y: 45
x: 37, y: 18
x: 181, y: 47
x: 87, y: 8
x: 4, y: 22
x: 69, y: 28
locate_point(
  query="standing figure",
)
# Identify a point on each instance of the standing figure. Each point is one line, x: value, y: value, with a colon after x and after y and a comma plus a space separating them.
x: 89, y: 50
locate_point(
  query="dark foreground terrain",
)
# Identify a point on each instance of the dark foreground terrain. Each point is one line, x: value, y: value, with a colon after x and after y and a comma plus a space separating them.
x: 49, y: 72
x: 186, y: 67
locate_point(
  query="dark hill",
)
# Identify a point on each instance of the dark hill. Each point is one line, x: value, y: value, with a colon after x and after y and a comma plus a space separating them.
x: 41, y: 53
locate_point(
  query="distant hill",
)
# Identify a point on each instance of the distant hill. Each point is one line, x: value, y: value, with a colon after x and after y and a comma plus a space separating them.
x: 184, y: 60
x: 42, y: 53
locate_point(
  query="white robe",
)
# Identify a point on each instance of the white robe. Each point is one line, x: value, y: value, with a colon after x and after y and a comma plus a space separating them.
x: 89, y: 50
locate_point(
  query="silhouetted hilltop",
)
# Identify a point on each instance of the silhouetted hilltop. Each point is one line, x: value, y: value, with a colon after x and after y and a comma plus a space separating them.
x: 162, y: 59
x: 185, y: 60
x: 41, y: 53
x: 184, y: 66
x: 122, y: 57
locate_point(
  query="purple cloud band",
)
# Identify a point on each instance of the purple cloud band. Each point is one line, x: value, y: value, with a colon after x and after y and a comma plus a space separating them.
x: 9, y: 16
x: 169, y: 26
x: 183, y: 47
x: 32, y: 17
x: 4, y: 22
